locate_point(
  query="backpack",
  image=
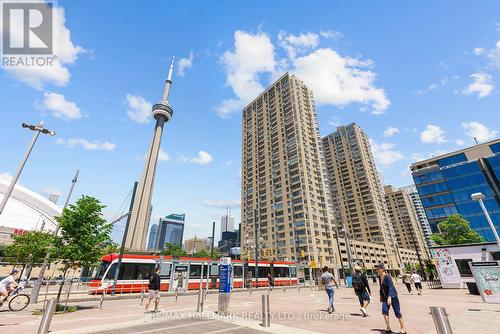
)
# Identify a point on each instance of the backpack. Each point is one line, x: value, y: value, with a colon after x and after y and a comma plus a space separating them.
x: 357, y: 282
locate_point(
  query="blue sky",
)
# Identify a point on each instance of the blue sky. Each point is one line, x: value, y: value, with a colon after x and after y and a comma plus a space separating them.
x: 420, y: 78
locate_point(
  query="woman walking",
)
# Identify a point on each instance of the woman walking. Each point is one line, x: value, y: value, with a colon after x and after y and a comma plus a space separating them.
x: 389, y: 297
x: 329, y: 281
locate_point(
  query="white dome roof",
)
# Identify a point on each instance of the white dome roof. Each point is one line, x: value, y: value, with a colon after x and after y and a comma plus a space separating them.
x: 26, y: 209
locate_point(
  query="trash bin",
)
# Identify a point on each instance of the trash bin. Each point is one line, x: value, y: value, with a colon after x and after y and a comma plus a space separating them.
x: 349, y: 281
x: 473, y: 290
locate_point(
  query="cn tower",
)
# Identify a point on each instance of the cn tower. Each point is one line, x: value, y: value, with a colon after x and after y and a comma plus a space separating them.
x: 139, y: 219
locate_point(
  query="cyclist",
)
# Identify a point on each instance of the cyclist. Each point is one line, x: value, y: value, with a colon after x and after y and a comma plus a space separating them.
x: 8, y: 284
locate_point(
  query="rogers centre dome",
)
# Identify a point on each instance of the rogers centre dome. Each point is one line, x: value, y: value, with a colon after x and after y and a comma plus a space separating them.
x: 27, y: 210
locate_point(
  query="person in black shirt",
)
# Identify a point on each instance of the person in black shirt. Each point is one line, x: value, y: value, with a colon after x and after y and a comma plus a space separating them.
x: 362, y: 289
x: 154, y: 290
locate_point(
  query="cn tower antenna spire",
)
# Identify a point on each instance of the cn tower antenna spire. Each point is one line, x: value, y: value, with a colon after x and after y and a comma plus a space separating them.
x: 168, y: 82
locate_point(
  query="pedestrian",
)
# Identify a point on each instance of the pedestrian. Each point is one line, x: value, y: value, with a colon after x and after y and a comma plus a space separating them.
x: 418, y: 282
x: 329, y: 281
x: 389, y: 297
x: 153, y: 290
x: 361, y: 289
x: 270, y: 280
x: 407, y: 281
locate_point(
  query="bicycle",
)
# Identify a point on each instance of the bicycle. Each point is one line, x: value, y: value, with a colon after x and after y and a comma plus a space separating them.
x: 17, y: 301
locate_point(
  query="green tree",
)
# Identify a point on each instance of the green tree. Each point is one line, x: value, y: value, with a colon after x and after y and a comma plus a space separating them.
x: 29, y: 248
x: 217, y: 254
x: 173, y: 250
x: 84, y: 231
x: 456, y: 231
x: 110, y: 247
x: 201, y: 254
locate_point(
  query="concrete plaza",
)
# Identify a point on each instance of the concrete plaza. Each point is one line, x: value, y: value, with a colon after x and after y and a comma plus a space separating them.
x: 291, y: 312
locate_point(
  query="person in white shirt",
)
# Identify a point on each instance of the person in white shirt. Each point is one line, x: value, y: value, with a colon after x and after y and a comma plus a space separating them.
x: 7, y: 284
x: 329, y: 281
x: 417, y: 280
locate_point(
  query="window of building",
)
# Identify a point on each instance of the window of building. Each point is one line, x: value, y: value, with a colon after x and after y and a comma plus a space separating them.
x: 463, y: 267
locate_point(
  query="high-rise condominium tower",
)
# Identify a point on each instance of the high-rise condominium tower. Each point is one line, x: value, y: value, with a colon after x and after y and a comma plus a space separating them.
x: 356, y: 188
x: 404, y: 219
x: 283, y: 191
x: 411, y: 190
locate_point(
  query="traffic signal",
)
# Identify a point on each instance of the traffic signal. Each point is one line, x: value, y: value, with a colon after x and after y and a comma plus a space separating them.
x: 302, y: 253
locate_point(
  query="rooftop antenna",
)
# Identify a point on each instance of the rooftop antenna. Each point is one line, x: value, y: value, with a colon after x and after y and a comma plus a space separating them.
x: 168, y: 82
x: 475, y: 139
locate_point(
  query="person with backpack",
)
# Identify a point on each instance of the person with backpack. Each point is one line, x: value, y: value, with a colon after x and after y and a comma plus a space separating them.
x: 361, y: 289
x: 329, y: 281
x: 153, y: 290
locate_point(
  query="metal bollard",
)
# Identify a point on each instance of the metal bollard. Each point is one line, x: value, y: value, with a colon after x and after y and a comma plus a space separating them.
x: 441, y: 320
x: 47, y: 317
x: 199, y: 308
x: 176, y: 294
x: 265, y: 311
x: 102, y: 300
x: 284, y: 288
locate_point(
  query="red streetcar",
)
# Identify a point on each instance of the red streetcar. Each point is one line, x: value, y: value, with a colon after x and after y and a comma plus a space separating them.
x: 183, y: 273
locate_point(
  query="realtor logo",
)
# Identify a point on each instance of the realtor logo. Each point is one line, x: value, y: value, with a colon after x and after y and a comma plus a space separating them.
x: 27, y: 28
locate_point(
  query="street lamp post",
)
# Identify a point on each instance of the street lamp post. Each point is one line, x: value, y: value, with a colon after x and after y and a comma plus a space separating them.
x: 39, y: 128
x: 480, y: 197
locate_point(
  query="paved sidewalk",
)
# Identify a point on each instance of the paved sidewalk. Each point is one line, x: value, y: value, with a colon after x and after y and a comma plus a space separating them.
x: 291, y: 312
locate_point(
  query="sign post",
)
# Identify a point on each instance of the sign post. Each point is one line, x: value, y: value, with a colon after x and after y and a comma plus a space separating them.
x: 487, y: 277
x: 225, y: 269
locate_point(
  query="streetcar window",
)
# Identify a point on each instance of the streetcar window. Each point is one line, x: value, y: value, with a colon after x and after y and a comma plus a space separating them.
x: 144, y: 270
x: 251, y: 270
x: 101, y: 270
x: 195, y: 271
x: 214, y: 270
x: 293, y: 271
x: 111, y: 271
x: 280, y: 271
x: 263, y: 271
x: 238, y: 271
x: 165, y: 270
x: 127, y: 271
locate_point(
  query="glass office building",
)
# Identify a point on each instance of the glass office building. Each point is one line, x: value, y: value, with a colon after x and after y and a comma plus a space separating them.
x: 445, y: 184
x: 171, y: 230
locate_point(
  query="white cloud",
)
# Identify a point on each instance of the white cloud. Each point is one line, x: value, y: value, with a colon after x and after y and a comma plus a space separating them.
x: 433, y: 134
x: 60, y: 107
x: 390, y: 131
x: 339, y: 81
x: 460, y: 142
x: 482, y: 85
x: 252, y: 56
x: 479, y: 131
x: 51, y: 191
x: 334, y: 121
x: 221, y: 204
x: 203, y: 158
x: 94, y: 145
x: 66, y: 53
x: 184, y: 64
x: 436, y: 85
x: 494, y: 55
x: 384, y: 153
x: 162, y: 156
x: 331, y: 34
x: 478, y: 51
x: 295, y: 44
x: 139, y: 110
x: 6, y: 177
x: 424, y: 156
x: 334, y: 79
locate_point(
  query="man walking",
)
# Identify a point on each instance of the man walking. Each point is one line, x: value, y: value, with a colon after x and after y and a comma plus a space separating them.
x: 417, y: 280
x: 154, y: 290
x: 362, y: 289
x: 329, y: 281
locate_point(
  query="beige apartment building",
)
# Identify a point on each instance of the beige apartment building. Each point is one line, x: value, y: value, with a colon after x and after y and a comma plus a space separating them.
x: 196, y: 244
x: 407, y: 229
x: 356, y: 189
x: 283, y: 186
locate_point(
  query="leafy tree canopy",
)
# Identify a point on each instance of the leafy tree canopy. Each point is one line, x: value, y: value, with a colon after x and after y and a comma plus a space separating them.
x: 29, y: 248
x: 173, y: 250
x: 84, y: 231
x: 456, y: 231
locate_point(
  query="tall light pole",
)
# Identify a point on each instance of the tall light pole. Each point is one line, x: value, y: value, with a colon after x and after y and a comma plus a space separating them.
x: 480, y: 197
x: 39, y: 128
x: 35, y: 291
